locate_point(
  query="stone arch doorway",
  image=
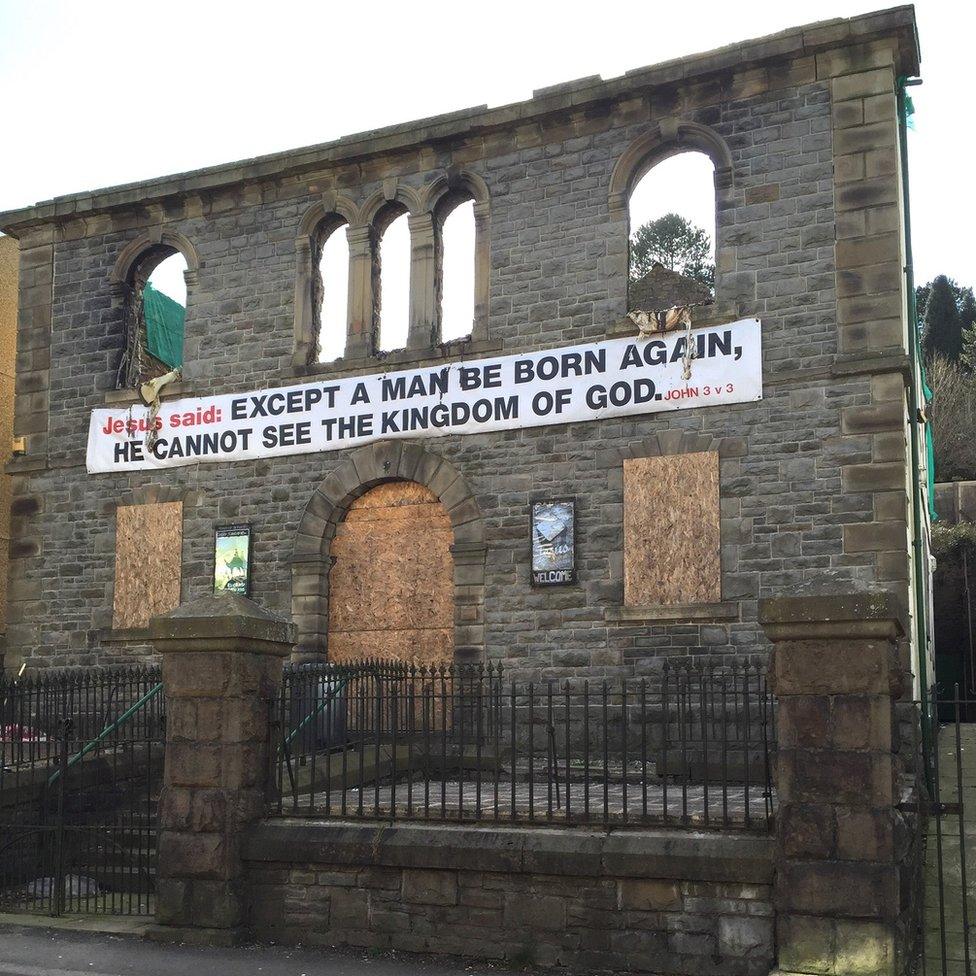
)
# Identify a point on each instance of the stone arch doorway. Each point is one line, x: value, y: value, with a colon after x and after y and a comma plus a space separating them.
x: 365, y: 468
x: 391, y: 586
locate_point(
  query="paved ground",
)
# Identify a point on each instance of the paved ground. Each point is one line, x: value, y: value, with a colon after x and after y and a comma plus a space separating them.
x: 658, y: 804
x: 32, y: 951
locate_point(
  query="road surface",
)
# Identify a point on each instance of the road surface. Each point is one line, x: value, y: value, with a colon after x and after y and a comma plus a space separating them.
x: 47, y: 952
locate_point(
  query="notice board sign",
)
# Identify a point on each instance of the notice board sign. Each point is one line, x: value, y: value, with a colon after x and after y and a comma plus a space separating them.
x: 554, y: 542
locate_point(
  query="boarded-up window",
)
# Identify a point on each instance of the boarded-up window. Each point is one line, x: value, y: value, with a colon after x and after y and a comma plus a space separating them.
x: 148, y: 561
x: 672, y: 545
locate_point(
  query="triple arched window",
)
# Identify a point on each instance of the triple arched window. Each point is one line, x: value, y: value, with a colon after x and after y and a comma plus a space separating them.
x: 408, y: 269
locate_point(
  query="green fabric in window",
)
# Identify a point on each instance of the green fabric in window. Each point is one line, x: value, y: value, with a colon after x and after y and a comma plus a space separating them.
x: 164, y: 326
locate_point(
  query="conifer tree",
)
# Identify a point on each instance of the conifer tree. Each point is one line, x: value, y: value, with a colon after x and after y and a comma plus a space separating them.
x: 675, y: 242
x: 943, y: 328
x: 967, y: 316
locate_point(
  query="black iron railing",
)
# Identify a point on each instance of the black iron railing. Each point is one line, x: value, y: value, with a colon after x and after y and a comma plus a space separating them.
x: 692, y: 746
x: 81, y: 757
x: 941, y: 809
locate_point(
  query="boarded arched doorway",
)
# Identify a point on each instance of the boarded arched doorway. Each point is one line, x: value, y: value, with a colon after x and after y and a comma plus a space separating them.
x: 391, y: 586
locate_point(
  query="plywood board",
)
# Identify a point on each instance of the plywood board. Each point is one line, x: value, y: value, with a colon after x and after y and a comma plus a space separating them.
x: 391, y: 588
x: 148, y: 562
x: 672, y: 541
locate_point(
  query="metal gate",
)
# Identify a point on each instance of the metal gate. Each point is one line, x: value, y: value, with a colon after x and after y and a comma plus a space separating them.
x: 946, y: 836
x: 81, y: 762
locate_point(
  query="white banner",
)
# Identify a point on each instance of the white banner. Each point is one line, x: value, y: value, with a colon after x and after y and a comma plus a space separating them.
x: 615, y: 378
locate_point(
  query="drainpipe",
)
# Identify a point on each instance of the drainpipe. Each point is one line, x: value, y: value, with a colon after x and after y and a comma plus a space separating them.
x: 918, y: 554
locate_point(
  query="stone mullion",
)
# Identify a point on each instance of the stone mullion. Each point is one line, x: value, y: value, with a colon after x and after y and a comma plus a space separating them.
x: 33, y: 371
x: 360, y: 331
x: 310, y: 607
x: 482, y: 269
x: 305, y: 340
x: 469, y: 602
x: 423, y: 299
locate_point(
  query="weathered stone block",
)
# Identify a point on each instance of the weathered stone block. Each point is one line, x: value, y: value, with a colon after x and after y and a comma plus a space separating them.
x: 865, y: 835
x: 807, y: 830
x: 877, y: 476
x: 742, y: 937
x: 839, y: 889
x: 197, y: 855
x: 827, y: 667
x: 542, y: 912
x: 430, y: 887
x: 875, y: 536
x: 636, y: 894
x: 878, y: 417
x: 862, y: 723
x: 350, y: 909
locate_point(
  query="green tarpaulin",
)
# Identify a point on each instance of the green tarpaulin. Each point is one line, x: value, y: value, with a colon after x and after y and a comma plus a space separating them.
x: 164, y: 326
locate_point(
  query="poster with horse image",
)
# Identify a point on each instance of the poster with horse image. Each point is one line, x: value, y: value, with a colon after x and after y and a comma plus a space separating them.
x: 232, y: 559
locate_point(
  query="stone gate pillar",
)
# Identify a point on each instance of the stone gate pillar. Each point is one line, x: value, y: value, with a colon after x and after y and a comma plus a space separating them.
x: 836, y: 673
x: 222, y: 660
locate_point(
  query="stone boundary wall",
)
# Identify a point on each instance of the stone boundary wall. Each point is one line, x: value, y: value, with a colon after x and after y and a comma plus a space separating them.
x: 829, y: 893
x: 628, y: 901
x: 955, y: 501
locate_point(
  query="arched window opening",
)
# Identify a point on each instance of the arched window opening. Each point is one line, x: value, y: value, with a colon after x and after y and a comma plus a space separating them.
x: 672, y: 235
x: 332, y: 292
x: 155, y: 316
x: 456, y: 269
x: 392, y: 280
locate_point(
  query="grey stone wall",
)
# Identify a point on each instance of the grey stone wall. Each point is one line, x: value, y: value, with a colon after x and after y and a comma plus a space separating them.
x: 789, y: 497
x: 625, y: 902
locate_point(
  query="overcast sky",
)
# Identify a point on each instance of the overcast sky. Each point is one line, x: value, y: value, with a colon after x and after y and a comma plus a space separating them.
x: 99, y: 93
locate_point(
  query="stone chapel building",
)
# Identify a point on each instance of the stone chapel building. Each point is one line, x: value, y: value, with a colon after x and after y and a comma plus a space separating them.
x: 417, y: 543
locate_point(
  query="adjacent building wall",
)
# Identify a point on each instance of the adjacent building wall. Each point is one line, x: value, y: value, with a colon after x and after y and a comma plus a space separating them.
x: 9, y: 275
